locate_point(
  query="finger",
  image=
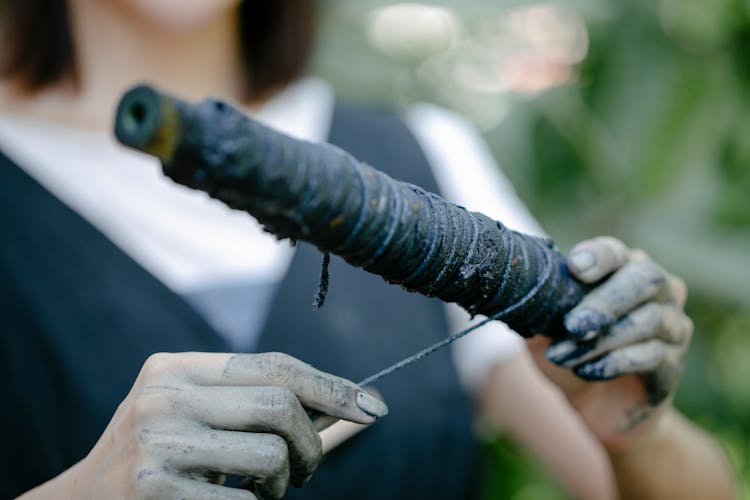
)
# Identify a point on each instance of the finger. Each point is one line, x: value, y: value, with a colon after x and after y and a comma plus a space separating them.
x: 264, y: 457
x: 660, y: 383
x: 591, y: 260
x: 323, y: 422
x: 154, y: 483
x: 676, y: 291
x: 639, y: 358
x: 635, y: 283
x: 273, y: 410
x: 652, y: 320
x: 317, y: 390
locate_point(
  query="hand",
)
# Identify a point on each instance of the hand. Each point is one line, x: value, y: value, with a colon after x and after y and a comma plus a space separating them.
x: 627, y: 340
x: 192, y: 418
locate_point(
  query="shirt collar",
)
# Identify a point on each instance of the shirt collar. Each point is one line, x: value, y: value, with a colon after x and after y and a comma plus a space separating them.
x: 303, y: 109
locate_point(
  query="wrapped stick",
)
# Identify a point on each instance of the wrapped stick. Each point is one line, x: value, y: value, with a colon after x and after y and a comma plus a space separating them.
x: 321, y: 194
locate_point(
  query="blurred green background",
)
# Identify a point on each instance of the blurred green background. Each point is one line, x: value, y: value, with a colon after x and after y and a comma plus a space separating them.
x: 623, y: 117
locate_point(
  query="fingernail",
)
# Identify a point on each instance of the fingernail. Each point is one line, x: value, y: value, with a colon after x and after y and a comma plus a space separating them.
x: 567, y: 353
x: 590, y: 335
x: 559, y: 351
x: 598, y: 370
x: 371, y: 405
x: 584, y: 323
x: 582, y: 260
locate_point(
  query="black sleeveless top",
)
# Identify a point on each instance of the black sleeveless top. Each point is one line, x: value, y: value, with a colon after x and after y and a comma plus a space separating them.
x: 78, y: 317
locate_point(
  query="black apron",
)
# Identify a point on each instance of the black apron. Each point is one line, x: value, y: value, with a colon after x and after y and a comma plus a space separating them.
x: 79, y: 317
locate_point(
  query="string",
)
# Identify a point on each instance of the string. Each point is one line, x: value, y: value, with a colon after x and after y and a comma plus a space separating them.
x: 322, y: 293
x: 449, y: 340
x: 425, y: 352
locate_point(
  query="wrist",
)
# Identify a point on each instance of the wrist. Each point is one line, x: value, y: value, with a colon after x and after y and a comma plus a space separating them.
x: 77, y: 479
x: 653, y: 434
x: 66, y: 485
x: 676, y: 459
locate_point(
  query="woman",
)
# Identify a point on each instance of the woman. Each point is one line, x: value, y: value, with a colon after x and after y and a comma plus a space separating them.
x: 109, y: 265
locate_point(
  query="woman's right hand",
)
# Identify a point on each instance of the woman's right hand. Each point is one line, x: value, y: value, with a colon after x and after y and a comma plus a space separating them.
x: 192, y: 418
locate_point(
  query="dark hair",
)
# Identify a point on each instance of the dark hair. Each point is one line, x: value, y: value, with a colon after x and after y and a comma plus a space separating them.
x: 36, y: 45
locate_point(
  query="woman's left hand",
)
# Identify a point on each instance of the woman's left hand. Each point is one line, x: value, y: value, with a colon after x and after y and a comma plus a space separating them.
x: 628, y: 337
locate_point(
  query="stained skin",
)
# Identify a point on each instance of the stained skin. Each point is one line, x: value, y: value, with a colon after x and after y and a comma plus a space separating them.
x: 426, y: 244
x: 630, y: 331
x: 193, y: 418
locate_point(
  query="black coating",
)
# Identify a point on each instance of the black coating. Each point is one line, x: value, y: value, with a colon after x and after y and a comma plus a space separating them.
x: 323, y: 195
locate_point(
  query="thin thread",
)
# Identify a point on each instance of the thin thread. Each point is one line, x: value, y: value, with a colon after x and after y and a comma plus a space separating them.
x: 449, y: 340
x: 425, y: 352
x: 541, y: 280
x: 322, y: 293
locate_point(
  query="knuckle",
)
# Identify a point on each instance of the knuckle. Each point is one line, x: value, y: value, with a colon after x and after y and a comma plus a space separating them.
x: 637, y: 254
x: 142, y: 408
x: 145, y: 437
x: 609, y: 251
x: 678, y: 284
x: 611, y: 243
x: 151, y: 402
x: 612, y: 249
x: 159, y: 365
x: 669, y: 322
x: 275, y: 453
x: 688, y: 327
x: 646, y: 320
x: 583, y: 245
x: 645, y: 267
x: 155, y: 442
x: 648, y: 270
x: 148, y: 482
x: 339, y: 392
x: 676, y: 326
x: 279, y: 368
x: 679, y: 289
x: 279, y: 399
x: 281, y: 406
x: 673, y: 324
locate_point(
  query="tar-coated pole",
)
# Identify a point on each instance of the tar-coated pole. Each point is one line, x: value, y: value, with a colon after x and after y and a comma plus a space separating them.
x: 321, y: 194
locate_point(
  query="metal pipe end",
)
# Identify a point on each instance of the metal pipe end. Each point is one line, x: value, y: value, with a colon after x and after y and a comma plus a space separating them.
x: 148, y: 121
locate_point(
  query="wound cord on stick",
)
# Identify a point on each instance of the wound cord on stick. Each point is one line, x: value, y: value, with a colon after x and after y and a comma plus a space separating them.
x: 449, y: 340
x: 323, y: 195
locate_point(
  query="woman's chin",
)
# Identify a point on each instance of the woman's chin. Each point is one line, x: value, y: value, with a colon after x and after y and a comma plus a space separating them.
x: 178, y: 15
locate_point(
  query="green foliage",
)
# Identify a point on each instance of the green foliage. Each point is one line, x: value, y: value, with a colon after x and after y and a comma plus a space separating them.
x: 648, y: 140
x: 508, y: 472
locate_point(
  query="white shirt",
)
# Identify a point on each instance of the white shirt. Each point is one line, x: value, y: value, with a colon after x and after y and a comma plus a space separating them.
x: 191, y: 242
